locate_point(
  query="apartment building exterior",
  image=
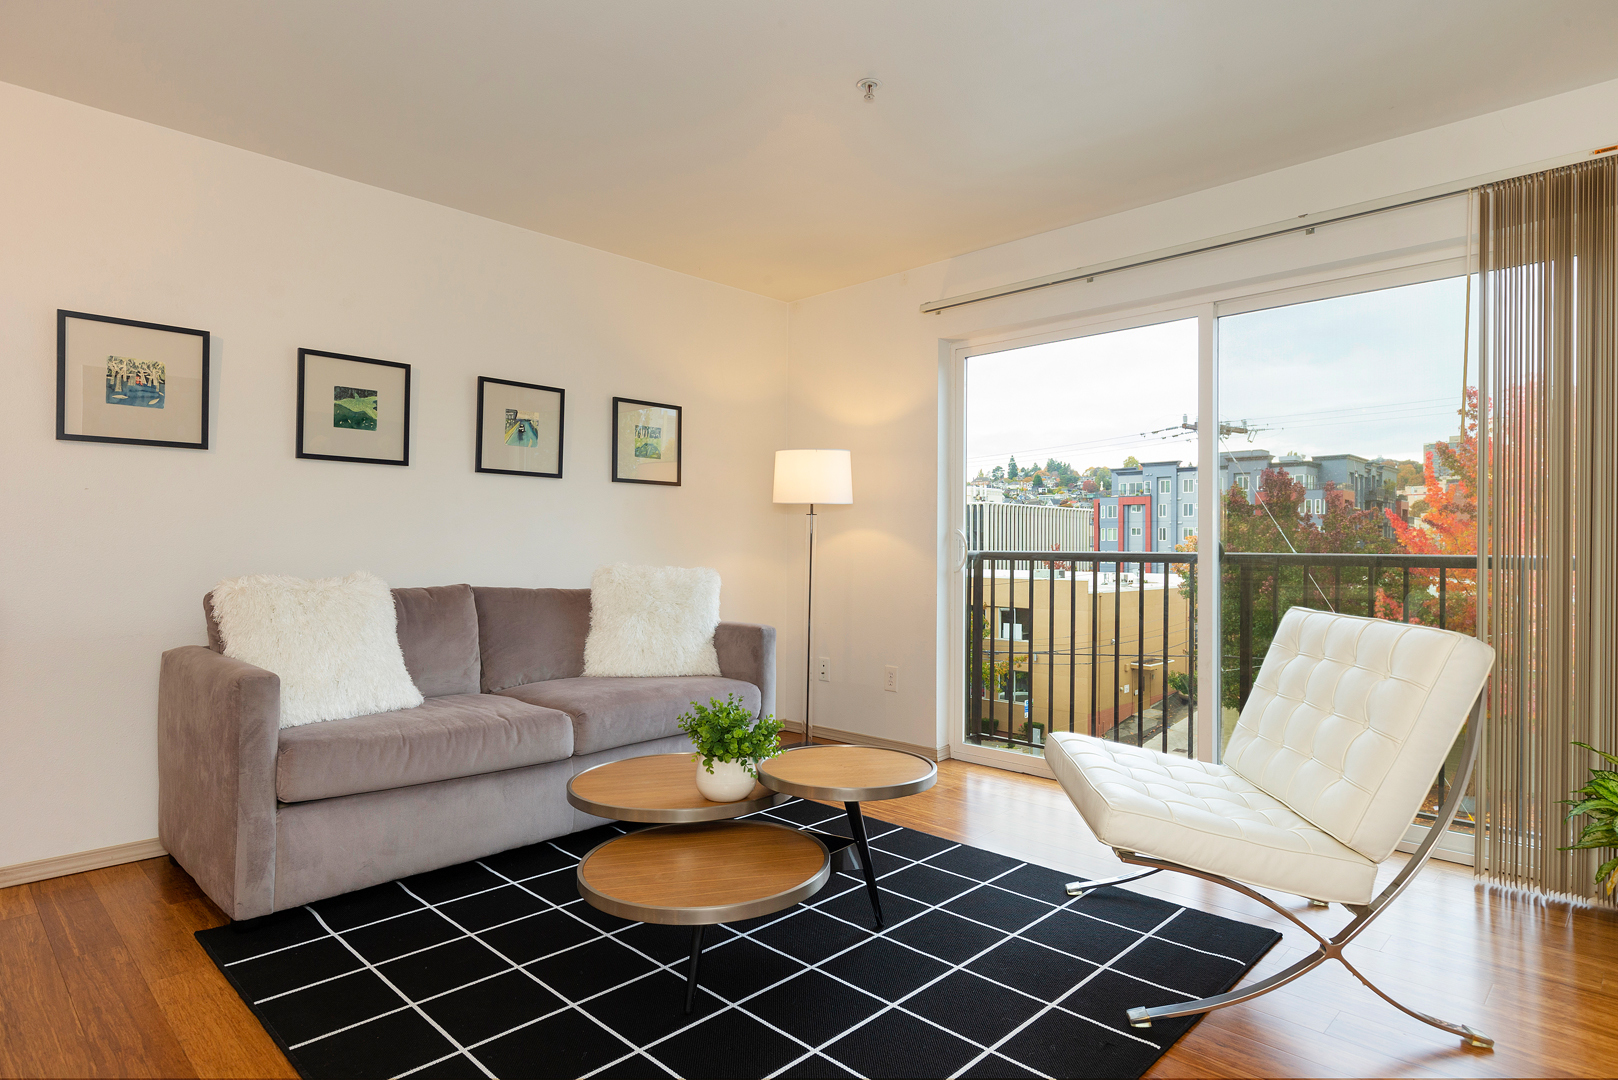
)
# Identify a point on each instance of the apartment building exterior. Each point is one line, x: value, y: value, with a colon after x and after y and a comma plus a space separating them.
x: 1429, y: 455
x: 1064, y: 651
x: 1153, y: 506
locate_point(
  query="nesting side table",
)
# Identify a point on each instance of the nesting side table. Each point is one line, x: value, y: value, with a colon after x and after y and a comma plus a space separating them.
x: 698, y: 867
x: 850, y: 775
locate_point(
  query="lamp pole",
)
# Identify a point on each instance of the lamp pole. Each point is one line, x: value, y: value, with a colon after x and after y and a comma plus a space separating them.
x: 809, y: 633
x: 810, y: 478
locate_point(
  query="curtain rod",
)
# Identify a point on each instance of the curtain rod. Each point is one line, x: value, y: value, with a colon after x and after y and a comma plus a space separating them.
x: 1302, y: 223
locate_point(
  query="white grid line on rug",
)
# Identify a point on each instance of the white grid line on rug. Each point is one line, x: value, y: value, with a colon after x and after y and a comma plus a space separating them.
x: 1075, y: 989
x: 855, y: 886
x: 418, y: 1009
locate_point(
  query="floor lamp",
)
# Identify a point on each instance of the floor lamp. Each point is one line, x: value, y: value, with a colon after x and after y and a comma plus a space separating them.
x: 812, y: 476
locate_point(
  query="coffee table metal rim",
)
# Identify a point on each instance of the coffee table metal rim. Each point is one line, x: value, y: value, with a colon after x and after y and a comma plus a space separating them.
x: 677, y: 815
x: 851, y: 794
x: 707, y: 916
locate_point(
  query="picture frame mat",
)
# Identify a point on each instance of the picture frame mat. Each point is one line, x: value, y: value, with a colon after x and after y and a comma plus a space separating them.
x: 541, y: 411
x: 85, y: 345
x: 320, y: 374
x: 631, y: 463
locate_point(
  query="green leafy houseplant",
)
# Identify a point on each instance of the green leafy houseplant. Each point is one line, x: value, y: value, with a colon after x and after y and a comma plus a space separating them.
x: 1599, y: 800
x: 726, y: 731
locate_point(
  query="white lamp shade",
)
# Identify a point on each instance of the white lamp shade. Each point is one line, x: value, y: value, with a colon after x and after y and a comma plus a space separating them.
x: 814, y: 476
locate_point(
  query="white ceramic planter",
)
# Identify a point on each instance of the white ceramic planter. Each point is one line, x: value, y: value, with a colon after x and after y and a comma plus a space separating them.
x: 728, y: 782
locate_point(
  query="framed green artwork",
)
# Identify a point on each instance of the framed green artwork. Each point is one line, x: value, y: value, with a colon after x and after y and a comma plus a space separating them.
x: 647, y: 442
x: 353, y: 408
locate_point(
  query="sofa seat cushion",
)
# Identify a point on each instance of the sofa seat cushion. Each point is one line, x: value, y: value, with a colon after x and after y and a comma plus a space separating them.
x: 1204, y: 816
x: 609, y: 712
x: 443, y: 738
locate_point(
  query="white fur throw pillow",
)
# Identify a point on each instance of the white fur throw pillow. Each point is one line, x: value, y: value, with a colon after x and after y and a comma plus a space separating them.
x: 652, y: 620
x: 334, y: 643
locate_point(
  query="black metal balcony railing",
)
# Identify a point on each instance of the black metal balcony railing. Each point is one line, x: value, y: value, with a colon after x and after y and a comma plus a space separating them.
x: 1347, y: 583
x: 1434, y: 590
x: 1034, y: 668
x: 1014, y: 647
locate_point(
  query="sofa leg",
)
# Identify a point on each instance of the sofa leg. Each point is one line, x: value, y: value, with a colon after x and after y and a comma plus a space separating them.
x: 247, y: 926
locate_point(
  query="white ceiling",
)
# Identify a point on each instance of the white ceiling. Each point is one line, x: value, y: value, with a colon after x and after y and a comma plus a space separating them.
x: 726, y: 138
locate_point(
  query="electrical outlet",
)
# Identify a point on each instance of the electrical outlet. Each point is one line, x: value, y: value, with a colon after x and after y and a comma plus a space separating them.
x: 890, y: 679
x: 823, y: 669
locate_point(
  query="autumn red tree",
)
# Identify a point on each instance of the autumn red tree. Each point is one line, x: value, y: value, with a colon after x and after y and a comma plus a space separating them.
x: 1449, y: 526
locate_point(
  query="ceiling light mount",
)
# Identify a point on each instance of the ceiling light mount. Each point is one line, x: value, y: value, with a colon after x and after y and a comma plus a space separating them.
x: 868, y: 88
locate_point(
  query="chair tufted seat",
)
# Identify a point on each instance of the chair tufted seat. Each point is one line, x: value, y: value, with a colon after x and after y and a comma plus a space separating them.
x: 1204, y: 816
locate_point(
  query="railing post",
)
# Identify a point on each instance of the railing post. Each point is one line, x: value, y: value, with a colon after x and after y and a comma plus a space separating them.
x: 1245, y: 637
x: 976, y: 622
x: 1191, y: 661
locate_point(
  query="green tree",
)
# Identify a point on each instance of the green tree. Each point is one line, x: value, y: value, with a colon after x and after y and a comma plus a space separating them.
x: 1011, y: 468
x: 999, y: 473
x: 1131, y: 462
x: 1278, y: 520
x: 1039, y: 481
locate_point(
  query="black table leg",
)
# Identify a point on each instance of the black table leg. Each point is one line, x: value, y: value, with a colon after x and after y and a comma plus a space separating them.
x: 691, y: 972
x: 856, y: 824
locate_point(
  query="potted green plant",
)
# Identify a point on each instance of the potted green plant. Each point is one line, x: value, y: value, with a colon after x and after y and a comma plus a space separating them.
x: 1598, y: 799
x: 730, y: 743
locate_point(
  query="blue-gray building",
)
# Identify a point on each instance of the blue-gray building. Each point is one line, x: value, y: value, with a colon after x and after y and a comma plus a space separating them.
x: 1153, y: 506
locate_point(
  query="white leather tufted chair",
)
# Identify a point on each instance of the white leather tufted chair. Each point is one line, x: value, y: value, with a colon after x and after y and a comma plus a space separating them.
x: 1344, y: 731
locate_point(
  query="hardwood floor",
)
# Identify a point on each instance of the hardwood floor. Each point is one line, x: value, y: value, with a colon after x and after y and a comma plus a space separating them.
x: 100, y: 976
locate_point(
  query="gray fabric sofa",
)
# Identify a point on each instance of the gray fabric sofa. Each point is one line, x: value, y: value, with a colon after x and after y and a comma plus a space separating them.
x: 267, y: 819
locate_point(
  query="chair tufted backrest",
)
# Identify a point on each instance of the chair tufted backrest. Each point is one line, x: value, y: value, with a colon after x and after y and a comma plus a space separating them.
x: 1351, y: 718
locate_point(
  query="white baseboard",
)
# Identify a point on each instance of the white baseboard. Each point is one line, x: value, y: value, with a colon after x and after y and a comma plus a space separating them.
x: 931, y: 753
x: 79, y: 862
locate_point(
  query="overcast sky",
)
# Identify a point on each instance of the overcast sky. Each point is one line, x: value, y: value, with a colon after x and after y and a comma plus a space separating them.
x: 1369, y: 374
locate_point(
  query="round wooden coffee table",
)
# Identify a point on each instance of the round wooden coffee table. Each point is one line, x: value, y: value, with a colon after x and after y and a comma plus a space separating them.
x: 701, y: 874
x: 850, y: 775
x: 658, y: 788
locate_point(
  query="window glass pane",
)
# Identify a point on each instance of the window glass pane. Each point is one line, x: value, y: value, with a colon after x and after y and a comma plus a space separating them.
x: 1072, y: 468
x: 1315, y: 484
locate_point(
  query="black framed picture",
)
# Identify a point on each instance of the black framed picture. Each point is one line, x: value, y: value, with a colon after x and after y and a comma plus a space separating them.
x: 646, y: 442
x: 519, y: 428
x: 353, y: 408
x: 125, y: 381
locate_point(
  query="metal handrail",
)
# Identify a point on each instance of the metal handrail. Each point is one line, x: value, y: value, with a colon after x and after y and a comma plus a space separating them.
x: 1346, y: 582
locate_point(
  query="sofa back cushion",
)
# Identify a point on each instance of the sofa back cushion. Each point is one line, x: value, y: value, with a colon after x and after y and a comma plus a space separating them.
x: 438, y: 634
x: 531, y: 635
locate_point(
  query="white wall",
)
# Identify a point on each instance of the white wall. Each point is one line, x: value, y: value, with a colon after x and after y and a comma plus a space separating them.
x: 109, y: 549
x: 868, y: 371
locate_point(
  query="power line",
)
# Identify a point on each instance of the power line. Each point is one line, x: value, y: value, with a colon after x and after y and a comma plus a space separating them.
x: 1397, y: 410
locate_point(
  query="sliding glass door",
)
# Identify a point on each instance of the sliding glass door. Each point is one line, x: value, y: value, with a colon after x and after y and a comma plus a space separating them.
x: 1347, y: 470
x: 1080, y: 533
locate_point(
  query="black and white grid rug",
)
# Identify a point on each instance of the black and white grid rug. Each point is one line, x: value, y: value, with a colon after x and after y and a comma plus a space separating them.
x: 496, y: 968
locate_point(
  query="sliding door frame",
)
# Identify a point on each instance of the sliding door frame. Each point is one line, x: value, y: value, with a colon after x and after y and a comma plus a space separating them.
x: 1375, y: 272
x: 955, y: 466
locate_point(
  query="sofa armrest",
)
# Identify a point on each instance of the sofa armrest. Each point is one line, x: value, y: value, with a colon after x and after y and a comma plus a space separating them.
x: 747, y: 652
x: 218, y: 722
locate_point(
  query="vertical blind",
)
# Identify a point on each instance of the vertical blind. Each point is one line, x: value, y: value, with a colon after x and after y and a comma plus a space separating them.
x: 1548, y: 272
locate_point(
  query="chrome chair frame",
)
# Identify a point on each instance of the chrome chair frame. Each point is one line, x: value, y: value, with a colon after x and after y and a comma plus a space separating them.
x: 1327, y: 948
